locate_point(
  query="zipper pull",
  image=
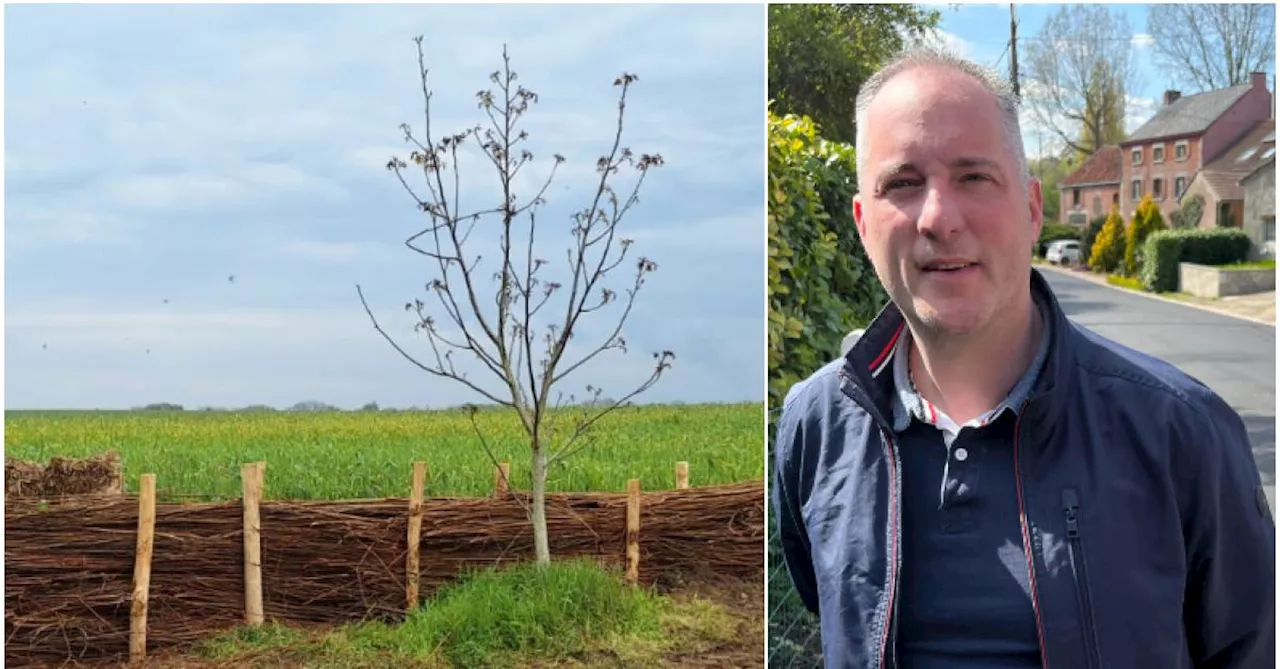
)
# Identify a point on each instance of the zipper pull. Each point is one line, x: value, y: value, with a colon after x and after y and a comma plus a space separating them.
x: 1070, y: 503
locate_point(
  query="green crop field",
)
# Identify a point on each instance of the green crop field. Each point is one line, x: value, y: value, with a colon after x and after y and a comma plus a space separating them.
x: 359, y: 455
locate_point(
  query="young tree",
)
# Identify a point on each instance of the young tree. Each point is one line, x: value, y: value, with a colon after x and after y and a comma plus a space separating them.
x: 520, y: 332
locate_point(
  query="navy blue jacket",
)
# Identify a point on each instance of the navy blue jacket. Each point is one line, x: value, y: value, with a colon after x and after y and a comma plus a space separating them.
x: 1150, y: 542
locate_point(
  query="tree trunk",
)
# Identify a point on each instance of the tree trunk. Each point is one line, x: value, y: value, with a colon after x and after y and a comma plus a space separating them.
x: 541, y: 547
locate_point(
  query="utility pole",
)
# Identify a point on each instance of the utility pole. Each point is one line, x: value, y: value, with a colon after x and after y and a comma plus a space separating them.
x: 1013, y: 49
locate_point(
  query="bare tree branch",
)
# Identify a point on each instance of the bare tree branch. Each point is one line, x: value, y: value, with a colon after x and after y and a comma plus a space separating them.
x: 664, y: 363
x: 1079, y: 68
x: 1213, y: 46
x: 472, y: 410
x: 436, y: 370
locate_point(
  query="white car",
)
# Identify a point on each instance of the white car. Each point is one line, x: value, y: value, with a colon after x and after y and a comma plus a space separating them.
x: 1063, y: 252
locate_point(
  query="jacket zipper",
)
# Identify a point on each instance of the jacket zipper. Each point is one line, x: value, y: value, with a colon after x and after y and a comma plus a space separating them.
x: 887, y: 638
x: 1079, y: 569
x: 1026, y: 536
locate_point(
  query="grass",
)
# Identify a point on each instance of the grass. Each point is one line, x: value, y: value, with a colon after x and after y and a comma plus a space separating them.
x: 509, y: 618
x: 361, y: 455
x: 1257, y: 264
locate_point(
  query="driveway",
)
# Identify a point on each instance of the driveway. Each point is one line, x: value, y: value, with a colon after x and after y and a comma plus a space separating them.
x: 1235, y: 358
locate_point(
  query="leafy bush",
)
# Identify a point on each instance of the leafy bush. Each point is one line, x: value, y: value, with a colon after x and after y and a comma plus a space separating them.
x: 1052, y: 232
x: 821, y: 286
x: 1108, y: 248
x: 821, y: 283
x: 1090, y: 234
x: 1146, y: 219
x: 1189, y: 213
x: 1166, y: 248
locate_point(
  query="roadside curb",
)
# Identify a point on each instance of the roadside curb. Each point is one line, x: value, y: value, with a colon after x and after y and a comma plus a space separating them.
x: 1220, y: 312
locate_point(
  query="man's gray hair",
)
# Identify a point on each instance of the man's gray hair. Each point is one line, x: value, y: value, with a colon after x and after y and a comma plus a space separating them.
x: 936, y: 56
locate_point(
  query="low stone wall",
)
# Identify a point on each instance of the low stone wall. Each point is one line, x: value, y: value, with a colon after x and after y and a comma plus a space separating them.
x: 1207, y: 281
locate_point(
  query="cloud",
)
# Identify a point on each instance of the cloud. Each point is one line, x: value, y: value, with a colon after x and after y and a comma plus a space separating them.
x: 954, y: 42
x: 1137, y: 111
x: 334, y: 252
x: 1143, y: 41
x: 66, y: 223
x: 253, y: 141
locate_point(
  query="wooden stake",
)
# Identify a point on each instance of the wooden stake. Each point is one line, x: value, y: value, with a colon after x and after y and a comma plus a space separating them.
x: 501, y: 479
x: 682, y: 475
x: 412, y: 560
x: 633, y: 531
x: 142, y: 568
x: 251, y: 478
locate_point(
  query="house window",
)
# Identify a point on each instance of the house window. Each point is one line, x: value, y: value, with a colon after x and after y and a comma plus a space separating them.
x: 1181, y: 150
x: 1157, y: 188
x: 1137, y: 156
x: 1115, y: 198
x: 1075, y: 197
x: 1097, y: 205
x: 1137, y: 190
x: 1157, y: 154
x: 1268, y: 228
x: 1179, y: 186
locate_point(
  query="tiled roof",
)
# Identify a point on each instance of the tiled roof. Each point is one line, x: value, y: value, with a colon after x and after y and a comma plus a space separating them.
x: 1270, y: 164
x: 1102, y: 167
x: 1240, y: 160
x: 1189, y: 115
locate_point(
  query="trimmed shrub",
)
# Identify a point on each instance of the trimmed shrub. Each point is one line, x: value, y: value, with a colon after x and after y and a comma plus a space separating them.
x: 1215, y: 246
x: 1163, y: 251
x: 1089, y: 235
x: 1146, y: 219
x: 1108, y: 248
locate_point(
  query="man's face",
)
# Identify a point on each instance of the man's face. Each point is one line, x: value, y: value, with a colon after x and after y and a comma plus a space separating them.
x: 943, y: 213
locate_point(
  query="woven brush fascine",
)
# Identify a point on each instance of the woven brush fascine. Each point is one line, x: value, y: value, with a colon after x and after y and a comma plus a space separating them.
x: 69, y: 562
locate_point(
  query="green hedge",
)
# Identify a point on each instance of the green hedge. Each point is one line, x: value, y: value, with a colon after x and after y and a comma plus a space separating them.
x: 1163, y: 251
x: 821, y: 283
x: 821, y: 286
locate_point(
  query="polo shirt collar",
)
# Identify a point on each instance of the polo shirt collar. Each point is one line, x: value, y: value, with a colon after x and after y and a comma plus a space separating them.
x: 909, y: 404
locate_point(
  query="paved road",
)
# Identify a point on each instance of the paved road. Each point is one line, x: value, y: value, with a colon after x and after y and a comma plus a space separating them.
x: 1234, y: 357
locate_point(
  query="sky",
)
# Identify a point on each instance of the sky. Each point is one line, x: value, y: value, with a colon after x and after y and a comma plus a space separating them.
x: 981, y: 32
x: 193, y: 193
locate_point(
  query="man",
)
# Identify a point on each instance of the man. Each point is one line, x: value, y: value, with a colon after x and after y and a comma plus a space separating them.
x: 980, y: 482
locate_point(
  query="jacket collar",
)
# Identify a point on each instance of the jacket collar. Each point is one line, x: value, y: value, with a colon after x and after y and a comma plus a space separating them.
x: 867, y: 376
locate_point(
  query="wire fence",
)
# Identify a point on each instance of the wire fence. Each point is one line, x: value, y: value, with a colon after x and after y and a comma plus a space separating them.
x: 793, y: 634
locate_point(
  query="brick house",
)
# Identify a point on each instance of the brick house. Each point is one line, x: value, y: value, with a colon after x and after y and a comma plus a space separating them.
x: 1187, y: 133
x: 1219, y: 181
x: 1089, y: 192
x: 1260, y: 207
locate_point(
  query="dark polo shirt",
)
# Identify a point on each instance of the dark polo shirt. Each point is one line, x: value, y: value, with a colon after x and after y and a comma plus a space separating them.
x: 965, y: 593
